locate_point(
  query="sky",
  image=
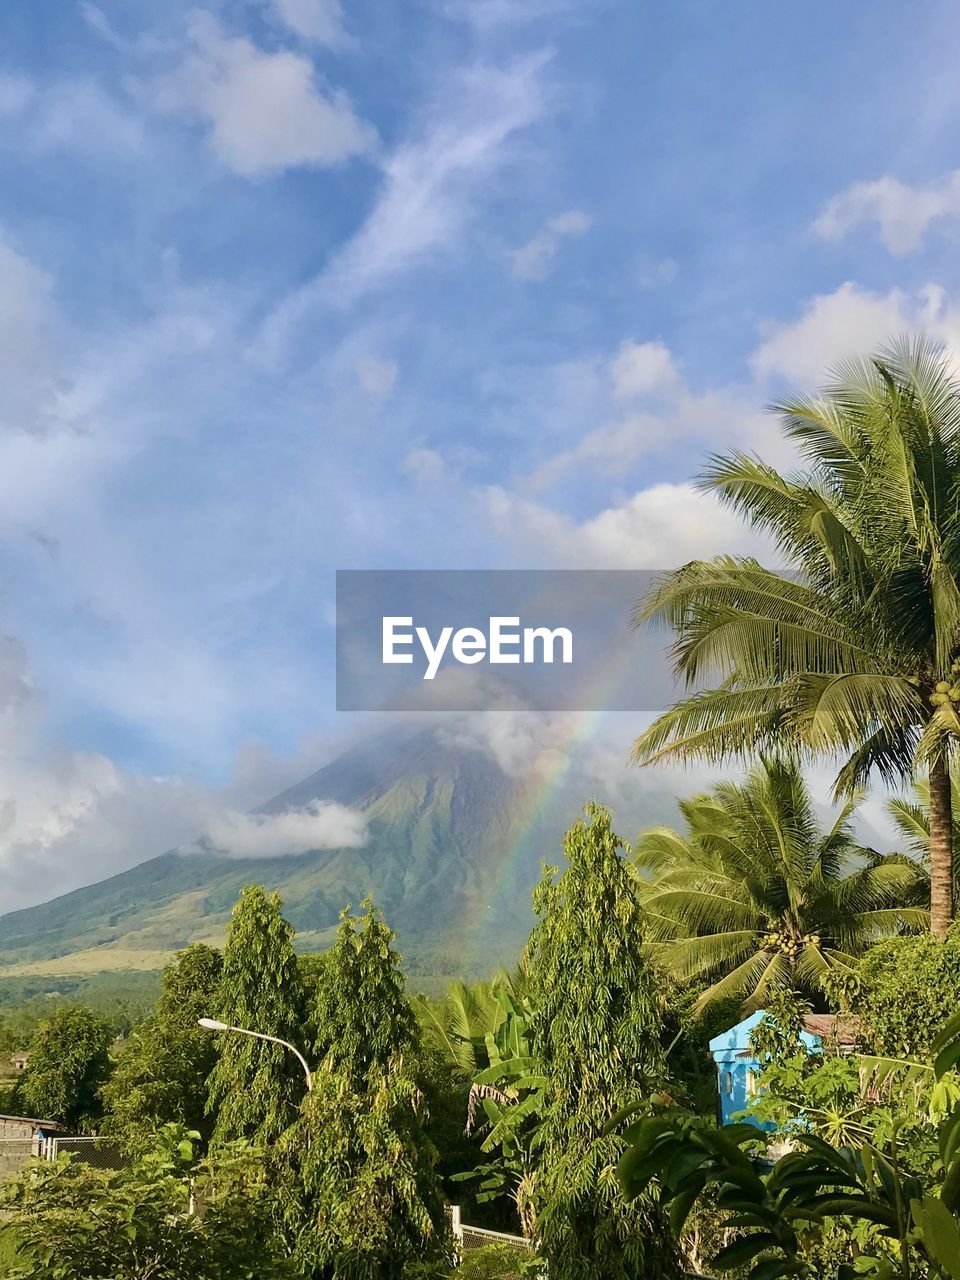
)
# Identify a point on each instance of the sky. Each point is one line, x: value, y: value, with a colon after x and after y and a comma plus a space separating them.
x: 288, y: 286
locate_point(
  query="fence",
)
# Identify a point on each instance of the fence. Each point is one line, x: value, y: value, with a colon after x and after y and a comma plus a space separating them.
x: 467, y: 1238
x: 100, y: 1153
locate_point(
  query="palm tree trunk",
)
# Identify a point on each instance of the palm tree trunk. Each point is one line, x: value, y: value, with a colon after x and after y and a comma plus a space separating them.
x: 941, y: 848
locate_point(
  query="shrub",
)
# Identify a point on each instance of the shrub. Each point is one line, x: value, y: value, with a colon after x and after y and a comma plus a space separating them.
x: 909, y: 987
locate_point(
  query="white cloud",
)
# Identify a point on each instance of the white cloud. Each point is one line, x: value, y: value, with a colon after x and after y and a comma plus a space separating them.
x: 265, y: 111
x: 321, y: 825
x: 69, y: 115
x: 377, y: 377
x: 903, y: 213
x: 430, y: 189
x: 832, y: 327
x: 320, y: 21
x: 659, y: 527
x: 532, y: 261
x: 640, y: 368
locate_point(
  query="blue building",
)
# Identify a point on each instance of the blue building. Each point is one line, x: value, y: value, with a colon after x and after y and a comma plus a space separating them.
x: 738, y: 1067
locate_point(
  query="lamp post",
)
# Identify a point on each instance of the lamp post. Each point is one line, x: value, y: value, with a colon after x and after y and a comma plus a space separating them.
x: 211, y: 1024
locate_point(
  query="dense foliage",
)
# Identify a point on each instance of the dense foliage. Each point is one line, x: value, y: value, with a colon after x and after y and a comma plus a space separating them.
x: 756, y: 896
x: 168, y: 1216
x: 891, y: 1221
x: 596, y: 1038
x: 907, y: 989
x: 161, y: 1075
x: 69, y: 1065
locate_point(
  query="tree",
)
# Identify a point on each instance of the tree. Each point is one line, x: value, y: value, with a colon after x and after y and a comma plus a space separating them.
x: 161, y: 1075
x: 907, y: 990
x: 596, y: 1039
x: 364, y: 1200
x: 891, y: 1220
x: 69, y: 1065
x: 755, y: 896
x: 459, y: 1026
x: 255, y: 1088
x: 166, y: 1216
x: 855, y: 653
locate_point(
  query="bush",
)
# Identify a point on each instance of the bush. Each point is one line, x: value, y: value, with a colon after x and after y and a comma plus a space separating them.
x: 166, y: 1217
x: 909, y: 987
x: 498, y: 1262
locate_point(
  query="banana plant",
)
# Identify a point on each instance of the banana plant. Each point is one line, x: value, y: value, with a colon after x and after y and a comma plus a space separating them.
x: 510, y: 1093
x: 915, y: 1227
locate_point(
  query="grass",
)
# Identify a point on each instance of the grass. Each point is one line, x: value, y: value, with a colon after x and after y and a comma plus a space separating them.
x: 93, y: 960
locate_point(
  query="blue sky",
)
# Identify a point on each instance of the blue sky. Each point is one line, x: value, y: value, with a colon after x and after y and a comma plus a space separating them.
x: 287, y: 286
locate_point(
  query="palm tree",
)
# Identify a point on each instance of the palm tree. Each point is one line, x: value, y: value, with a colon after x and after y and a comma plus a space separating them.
x: 911, y: 817
x: 755, y: 896
x: 461, y: 1027
x: 854, y: 653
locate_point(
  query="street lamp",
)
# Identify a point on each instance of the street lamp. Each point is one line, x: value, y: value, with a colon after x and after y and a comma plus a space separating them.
x: 211, y: 1024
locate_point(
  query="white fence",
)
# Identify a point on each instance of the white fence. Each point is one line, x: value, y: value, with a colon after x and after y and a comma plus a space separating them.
x: 468, y: 1237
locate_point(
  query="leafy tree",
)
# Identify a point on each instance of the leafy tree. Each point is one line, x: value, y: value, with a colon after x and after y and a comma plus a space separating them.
x: 363, y: 1197
x: 855, y: 654
x: 362, y: 1015
x: 596, y: 1038
x: 907, y: 989
x: 457, y: 1026
x: 897, y: 1222
x: 69, y: 1065
x: 755, y: 896
x: 161, y: 1075
x: 255, y: 1088
x: 168, y: 1216
x: 461, y: 1035
x: 511, y: 1094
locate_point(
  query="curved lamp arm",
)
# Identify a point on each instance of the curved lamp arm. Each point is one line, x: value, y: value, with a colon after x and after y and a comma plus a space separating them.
x: 211, y: 1024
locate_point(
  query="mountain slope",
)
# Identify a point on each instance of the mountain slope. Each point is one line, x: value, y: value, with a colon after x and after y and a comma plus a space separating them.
x: 454, y: 849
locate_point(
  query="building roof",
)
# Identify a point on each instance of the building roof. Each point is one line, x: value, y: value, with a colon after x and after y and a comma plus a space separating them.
x: 840, y: 1029
x: 844, y: 1029
x: 44, y: 1124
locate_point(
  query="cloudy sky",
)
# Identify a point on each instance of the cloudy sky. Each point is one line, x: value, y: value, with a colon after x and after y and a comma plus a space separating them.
x: 293, y: 285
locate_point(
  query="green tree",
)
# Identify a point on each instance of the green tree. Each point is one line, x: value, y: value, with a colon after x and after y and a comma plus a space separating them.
x: 459, y: 1025
x: 855, y: 653
x: 161, y: 1075
x: 756, y: 896
x: 166, y: 1216
x: 255, y: 1088
x: 69, y: 1065
x: 596, y: 1034
x: 907, y: 989
x: 364, y: 1199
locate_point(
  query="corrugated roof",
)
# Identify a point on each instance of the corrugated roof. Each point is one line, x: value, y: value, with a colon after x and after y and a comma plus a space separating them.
x: 843, y: 1028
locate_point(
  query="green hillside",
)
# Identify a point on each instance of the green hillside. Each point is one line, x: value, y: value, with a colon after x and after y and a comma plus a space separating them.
x: 454, y: 849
